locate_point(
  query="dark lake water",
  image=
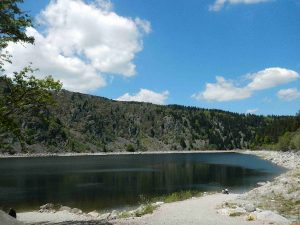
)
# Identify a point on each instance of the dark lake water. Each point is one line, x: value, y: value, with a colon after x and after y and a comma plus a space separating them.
x: 113, y: 181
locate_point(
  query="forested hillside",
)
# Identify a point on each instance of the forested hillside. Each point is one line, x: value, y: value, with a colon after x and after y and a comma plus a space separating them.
x: 84, y: 123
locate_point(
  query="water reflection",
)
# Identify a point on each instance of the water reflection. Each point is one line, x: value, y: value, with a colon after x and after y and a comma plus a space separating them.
x: 104, y: 182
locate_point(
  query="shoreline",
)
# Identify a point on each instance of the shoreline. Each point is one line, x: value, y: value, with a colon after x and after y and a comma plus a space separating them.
x: 289, y: 160
x: 40, y: 155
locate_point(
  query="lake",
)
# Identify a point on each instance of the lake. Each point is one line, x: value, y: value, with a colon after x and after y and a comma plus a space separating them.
x: 117, y: 181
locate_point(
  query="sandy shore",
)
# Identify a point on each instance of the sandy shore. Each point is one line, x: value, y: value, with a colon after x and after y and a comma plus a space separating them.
x: 212, y: 209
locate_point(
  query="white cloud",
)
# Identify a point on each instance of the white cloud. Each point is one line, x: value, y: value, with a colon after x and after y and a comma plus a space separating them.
x: 221, y: 91
x: 271, y: 77
x: 225, y: 90
x: 251, y: 111
x: 144, y: 24
x: 145, y: 95
x: 219, y: 4
x: 289, y: 94
x: 80, y: 43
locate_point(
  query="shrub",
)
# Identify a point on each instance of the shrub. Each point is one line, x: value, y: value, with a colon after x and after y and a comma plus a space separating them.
x: 146, y: 209
x: 130, y: 148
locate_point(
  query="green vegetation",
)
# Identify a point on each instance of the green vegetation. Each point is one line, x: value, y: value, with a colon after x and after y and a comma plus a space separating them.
x: 124, y: 215
x: 145, y: 209
x: 251, y: 217
x: 84, y: 123
x: 178, y: 196
x: 13, y: 23
x: 233, y: 214
x: 130, y: 148
x: 289, y: 141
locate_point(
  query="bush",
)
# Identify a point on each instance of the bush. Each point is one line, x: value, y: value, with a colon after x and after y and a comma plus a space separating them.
x: 130, y: 148
x: 146, y: 209
x: 284, y: 142
x: 296, y: 140
x: 182, y: 143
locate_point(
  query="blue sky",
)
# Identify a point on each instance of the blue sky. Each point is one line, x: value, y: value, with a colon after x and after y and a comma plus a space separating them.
x: 178, y: 48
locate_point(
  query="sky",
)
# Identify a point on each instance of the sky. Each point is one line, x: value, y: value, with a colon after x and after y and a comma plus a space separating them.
x: 236, y: 55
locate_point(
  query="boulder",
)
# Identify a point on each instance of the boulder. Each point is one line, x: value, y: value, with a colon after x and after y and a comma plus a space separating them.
x: 271, y: 217
x: 261, y: 183
x: 158, y: 203
x: 65, y: 208
x: 94, y: 214
x: 12, y: 213
x: 49, y: 207
x: 104, y: 216
x: 113, y: 215
x: 249, y: 207
x: 76, y: 211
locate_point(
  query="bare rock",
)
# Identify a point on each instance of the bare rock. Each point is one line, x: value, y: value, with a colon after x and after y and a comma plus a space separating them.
x: 113, y: 215
x: 271, y: 217
x: 49, y: 207
x: 94, y: 214
x: 250, y: 207
x: 104, y: 216
x: 65, y: 208
x: 158, y: 203
x: 76, y: 211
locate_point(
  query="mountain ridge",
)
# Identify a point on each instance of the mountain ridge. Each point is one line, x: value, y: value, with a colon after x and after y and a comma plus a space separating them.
x: 87, y: 123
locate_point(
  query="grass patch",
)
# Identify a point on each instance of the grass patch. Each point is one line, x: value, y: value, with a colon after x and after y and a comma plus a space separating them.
x: 233, y: 214
x: 251, y: 217
x: 124, y: 215
x: 146, y: 209
x: 178, y: 196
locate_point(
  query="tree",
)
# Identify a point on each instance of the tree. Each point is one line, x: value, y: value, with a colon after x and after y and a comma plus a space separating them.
x: 130, y: 148
x: 24, y: 96
x: 21, y: 94
x: 13, y: 22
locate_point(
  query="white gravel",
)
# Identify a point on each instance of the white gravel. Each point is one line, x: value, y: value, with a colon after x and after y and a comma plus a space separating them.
x: 53, y: 217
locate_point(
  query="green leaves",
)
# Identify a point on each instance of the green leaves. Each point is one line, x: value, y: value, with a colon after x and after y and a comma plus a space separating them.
x: 24, y: 96
x: 13, y: 23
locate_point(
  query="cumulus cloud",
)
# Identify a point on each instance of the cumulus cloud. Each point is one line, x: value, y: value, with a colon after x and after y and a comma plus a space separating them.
x: 289, y: 94
x: 271, y: 77
x: 225, y: 90
x: 219, y: 4
x: 80, y: 43
x: 251, y: 111
x: 145, y: 95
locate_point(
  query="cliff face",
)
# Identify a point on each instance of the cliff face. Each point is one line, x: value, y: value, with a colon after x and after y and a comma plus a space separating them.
x: 84, y: 123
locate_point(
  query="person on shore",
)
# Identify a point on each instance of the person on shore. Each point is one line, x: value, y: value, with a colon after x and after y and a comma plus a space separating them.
x: 225, y: 191
x: 12, y: 213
